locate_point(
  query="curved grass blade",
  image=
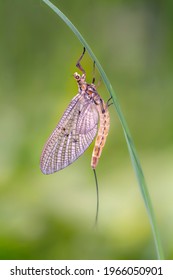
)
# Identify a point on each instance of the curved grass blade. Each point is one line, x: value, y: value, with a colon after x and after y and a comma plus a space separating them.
x: 132, y: 151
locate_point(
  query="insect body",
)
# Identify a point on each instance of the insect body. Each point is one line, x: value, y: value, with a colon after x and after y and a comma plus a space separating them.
x: 77, y: 128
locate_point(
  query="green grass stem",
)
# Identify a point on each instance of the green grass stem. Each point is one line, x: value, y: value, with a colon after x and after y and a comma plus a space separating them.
x: 133, y: 154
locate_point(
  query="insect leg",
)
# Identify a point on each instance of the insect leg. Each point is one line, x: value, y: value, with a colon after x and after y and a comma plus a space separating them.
x: 78, y: 65
x: 109, y: 104
x: 93, y: 80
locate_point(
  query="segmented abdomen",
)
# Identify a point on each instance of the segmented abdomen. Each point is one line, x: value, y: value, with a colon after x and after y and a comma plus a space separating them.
x: 102, y: 134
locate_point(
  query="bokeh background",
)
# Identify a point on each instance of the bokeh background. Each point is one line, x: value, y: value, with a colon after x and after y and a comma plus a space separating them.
x: 51, y: 217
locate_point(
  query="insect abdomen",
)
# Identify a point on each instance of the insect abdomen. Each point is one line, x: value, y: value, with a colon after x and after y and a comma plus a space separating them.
x: 101, y: 136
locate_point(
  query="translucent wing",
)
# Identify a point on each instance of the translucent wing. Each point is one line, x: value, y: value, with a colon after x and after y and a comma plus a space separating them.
x: 72, y: 136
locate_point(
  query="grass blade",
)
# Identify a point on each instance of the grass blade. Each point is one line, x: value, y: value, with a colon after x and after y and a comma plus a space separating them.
x: 132, y: 151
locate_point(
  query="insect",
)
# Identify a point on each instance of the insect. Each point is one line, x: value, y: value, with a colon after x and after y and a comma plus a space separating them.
x: 86, y: 116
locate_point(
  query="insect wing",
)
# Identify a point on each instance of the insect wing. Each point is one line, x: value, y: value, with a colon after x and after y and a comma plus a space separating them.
x: 71, y: 137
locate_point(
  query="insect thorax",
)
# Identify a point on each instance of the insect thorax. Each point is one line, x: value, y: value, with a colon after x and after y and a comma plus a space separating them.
x: 87, y: 90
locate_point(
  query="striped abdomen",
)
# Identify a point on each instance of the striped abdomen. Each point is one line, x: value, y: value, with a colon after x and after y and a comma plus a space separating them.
x: 102, y: 134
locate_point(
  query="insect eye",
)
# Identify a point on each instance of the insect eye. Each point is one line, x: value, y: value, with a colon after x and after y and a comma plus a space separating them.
x: 76, y: 76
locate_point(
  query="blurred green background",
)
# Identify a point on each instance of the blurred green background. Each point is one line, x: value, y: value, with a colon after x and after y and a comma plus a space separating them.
x: 51, y: 217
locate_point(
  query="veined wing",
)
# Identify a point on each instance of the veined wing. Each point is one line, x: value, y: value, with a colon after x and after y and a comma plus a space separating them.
x: 72, y: 136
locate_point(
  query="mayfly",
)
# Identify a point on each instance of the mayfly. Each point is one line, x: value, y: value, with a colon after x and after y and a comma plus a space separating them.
x: 78, y: 128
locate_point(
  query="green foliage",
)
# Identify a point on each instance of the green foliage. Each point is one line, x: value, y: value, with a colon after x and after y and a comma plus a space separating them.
x: 51, y: 217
